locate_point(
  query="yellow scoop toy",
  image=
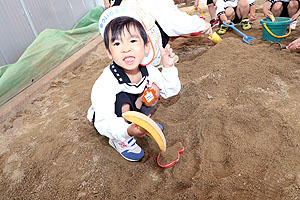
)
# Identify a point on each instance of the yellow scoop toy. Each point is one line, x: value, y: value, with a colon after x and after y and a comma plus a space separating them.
x: 147, y: 125
x: 215, y: 38
x: 272, y: 18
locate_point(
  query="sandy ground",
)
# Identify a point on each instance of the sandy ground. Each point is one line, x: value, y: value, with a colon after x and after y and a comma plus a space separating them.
x: 237, y: 115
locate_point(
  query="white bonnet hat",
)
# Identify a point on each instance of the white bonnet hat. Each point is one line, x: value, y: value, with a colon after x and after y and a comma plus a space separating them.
x: 117, y: 11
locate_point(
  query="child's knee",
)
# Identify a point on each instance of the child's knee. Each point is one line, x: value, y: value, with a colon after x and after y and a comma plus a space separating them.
x: 210, y: 6
x: 293, y: 4
x: 243, y: 3
x: 125, y: 107
x: 277, y: 6
x: 229, y: 12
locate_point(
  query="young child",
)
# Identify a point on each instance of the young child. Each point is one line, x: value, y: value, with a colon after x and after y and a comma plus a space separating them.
x: 283, y: 8
x: 121, y: 85
x: 235, y: 11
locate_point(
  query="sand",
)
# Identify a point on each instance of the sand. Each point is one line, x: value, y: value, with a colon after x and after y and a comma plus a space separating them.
x: 237, y: 116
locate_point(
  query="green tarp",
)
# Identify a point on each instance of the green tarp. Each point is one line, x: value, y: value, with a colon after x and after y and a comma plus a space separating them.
x: 48, y: 50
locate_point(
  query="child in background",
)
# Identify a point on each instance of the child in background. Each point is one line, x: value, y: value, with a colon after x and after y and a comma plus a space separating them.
x: 283, y: 8
x: 212, y: 11
x: 169, y: 19
x: 172, y: 20
x: 235, y: 11
x: 121, y: 85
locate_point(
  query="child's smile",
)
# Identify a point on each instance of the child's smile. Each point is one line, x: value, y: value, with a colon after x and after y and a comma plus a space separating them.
x: 129, y: 60
x: 128, y: 50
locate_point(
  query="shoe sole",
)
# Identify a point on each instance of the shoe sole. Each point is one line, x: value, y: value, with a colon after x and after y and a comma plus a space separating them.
x: 222, y: 33
x: 113, y: 146
x: 246, y: 28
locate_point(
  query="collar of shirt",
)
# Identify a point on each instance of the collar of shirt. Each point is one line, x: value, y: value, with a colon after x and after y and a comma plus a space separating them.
x: 121, y: 76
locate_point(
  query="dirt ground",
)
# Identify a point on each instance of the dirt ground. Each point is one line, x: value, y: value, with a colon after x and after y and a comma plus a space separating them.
x: 237, y: 115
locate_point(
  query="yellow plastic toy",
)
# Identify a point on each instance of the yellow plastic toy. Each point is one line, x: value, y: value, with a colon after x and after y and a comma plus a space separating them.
x: 215, y: 38
x: 148, y: 126
x: 272, y: 18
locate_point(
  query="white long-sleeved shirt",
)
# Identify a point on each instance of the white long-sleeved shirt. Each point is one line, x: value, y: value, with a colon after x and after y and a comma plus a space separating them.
x: 173, y: 21
x: 114, y: 80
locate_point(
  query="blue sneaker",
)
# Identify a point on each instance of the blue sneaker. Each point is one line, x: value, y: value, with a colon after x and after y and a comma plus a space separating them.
x: 160, y: 126
x: 128, y: 149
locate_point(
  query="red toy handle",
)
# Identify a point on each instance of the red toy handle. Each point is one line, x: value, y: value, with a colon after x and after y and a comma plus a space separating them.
x: 174, y: 161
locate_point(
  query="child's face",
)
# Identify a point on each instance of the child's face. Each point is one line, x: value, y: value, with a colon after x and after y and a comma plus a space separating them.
x: 129, y: 50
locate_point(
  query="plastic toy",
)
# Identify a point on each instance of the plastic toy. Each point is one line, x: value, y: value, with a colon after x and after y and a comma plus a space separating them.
x: 148, y: 126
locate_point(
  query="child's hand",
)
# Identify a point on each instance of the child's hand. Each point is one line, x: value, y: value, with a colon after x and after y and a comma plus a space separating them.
x: 295, y: 16
x: 134, y: 130
x: 227, y: 21
x: 267, y: 13
x: 167, y: 55
x: 107, y: 4
x: 293, y: 46
x: 208, y: 29
x: 252, y: 17
x: 223, y: 18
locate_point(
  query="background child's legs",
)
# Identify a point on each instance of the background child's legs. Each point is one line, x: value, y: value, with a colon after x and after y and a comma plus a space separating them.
x: 212, y: 12
x: 235, y: 18
x: 211, y: 9
x: 293, y: 7
x: 243, y: 9
x: 277, y: 9
x: 230, y: 14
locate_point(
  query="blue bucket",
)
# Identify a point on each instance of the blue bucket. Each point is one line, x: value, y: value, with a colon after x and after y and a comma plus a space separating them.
x: 275, y: 31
